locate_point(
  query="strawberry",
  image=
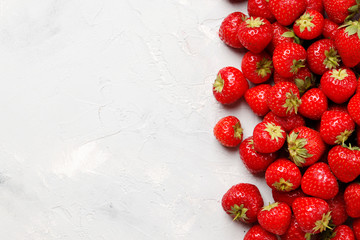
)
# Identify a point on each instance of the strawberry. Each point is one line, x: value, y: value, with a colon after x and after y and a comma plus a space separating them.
x: 287, y: 11
x: 344, y: 162
x: 312, y: 214
x: 230, y: 85
x: 281, y: 35
x: 275, y: 218
x: 289, y: 58
x: 260, y: 8
x: 352, y: 200
x: 228, y: 131
x: 338, y: 10
x: 287, y: 197
x: 288, y: 123
x: 353, y: 108
x: 257, y: 67
x: 243, y: 202
x: 305, y: 146
x: 283, y: 99
x: 347, y: 42
x: 330, y: 29
x: 258, y: 233
x: 294, y: 232
x: 309, y: 25
x: 318, y: 181
x: 256, y: 99
x: 313, y: 104
x: 268, y: 137
x: 336, y: 127
x: 338, y: 209
x: 315, y: 5
x: 338, y: 84
x: 356, y: 228
x: 342, y: 232
x: 254, y: 161
x: 255, y: 34
x: 322, y: 56
x: 229, y: 29
x: 283, y: 175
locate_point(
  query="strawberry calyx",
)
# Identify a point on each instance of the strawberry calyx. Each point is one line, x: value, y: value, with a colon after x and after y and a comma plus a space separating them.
x: 352, y: 27
x: 296, y: 146
x: 304, y: 22
x: 323, y: 224
x: 254, y: 23
x: 274, y: 131
x: 352, y: 148
x: 238, y: 131
x: 239, y: 212
x: 218, y: 84
x: 297, y: 64
x: 341, y: 139
x: 353, y: 11
x: 332, y: 59
x: 339, y: 74
x: 291, y: 34
x: 263, y: 67
x: 304, y: 84
x: 283, y: 186
x: 270, y: 206
x: 308, y: 236
x: 292, y: 102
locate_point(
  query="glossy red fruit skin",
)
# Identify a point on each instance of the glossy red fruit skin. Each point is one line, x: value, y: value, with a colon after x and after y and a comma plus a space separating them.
x: 284, y: 56
x: 279, y: 97
x: 257, y: 67
x: 246, y: 194
x: 343, y: 232
x: 287, y: 11
x: 312, y: 32
x: 348, y: 47
x: 318, y: 181
x: 260, y: 8
x: 254, y: 161
x: 317, y: 60
x: 283, y: 175
x: 255, y: 39
x: 259, y: 233
x: 344, y: 163
x: 229, y: 29
x: 294, y: 232
x: 308, y: 210
x: 228, y: 131
x: 335, y: 123
x: 337, y: 10
x: 313, y: 104
x: 330, y: 29
x: 256, y: 99
x: 338, y: 209
x: 356, y: 228
x: 275, y: 220
x: 315, y: 5
x: 338, y: 84
x: 353, y: 108
x: 288, y: 123
x: 234, y: 85
x: 352, y: 199
x: 287, y: 197
x: 264, y: 142
x: 279, y: 38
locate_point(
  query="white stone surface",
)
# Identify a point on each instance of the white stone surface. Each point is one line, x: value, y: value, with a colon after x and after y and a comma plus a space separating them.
x: 107, y: 118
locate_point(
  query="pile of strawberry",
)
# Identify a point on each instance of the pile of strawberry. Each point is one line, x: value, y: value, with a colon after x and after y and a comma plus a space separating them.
x: 302, y: 60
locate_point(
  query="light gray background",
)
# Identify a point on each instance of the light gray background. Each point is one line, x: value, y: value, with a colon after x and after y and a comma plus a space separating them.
x: 107, y: 118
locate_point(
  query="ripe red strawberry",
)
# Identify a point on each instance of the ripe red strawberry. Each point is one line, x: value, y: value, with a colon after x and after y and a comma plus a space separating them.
x: 260, y: 8
x: 353, y: 108
x: 344, y: 162
x: 336, y: 127
x: 313, y: 104
x: 287, y: 11
x: 288, y: 123
x: 337, y: 11
x: 342, y: 232
x: 230, y: 85
x: 243, y: 202
x: 288, y: 58
x: 338, y: 209
x: 254, y: 161
x: 305, y: 146
x: 322, y: 56
x: 283, y: 99
x: 288, y: 197
x: 315, y: 5
x: 283, y: 175
x: 268, y: 137
x: 312, y: 214
x: 255, y: 34
x: 347, y: 42
x: 352, y: 200
x: 275, y: 218
x: 330, y: 29
x: 256, y: 98
x: 310, y: 25
x: 229, y: 29
x: 258, y: 233
x: 338, y: 84
x: 281, y: 35
x: 356, y: 228
x: 257, y: 67
x: 228, y: 131
x: 318, y: 181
